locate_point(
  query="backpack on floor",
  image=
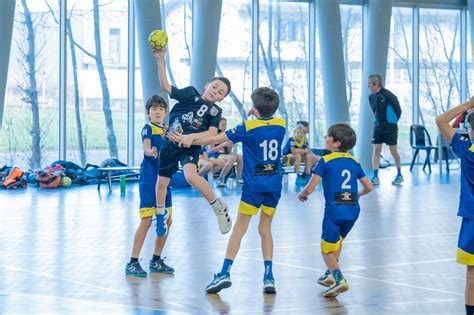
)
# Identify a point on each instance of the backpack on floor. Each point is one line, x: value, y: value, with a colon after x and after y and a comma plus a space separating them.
x: 49, y: 179
x: 13, y: 178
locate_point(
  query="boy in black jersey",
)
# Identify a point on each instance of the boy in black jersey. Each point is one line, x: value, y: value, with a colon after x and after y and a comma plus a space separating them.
x: 195, y: 116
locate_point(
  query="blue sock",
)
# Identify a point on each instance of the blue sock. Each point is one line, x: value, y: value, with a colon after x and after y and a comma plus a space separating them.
x: 268, y: 269
x: 226, y: 266
x: 337, y: 274
x: 399, y: 171
x: 376, y: 173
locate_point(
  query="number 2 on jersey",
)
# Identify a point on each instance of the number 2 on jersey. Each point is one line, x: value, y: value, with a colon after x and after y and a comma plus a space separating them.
x: 345, y: 184
x: 270, y: 149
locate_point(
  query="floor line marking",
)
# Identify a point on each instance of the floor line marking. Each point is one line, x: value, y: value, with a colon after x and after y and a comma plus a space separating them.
x: 362, y: 277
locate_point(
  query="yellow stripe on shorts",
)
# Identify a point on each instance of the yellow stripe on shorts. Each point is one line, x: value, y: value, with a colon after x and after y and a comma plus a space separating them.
x: 245, y: 208
x: 147, y: 212
x: 268, y: 210
x: 327, y: 247
x: 465, y: 258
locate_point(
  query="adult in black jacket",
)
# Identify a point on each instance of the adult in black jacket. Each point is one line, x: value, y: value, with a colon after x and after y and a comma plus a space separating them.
x: 387, y: 112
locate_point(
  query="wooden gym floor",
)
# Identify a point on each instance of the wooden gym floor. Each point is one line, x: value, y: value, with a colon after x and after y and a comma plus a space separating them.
x: 64, y: 251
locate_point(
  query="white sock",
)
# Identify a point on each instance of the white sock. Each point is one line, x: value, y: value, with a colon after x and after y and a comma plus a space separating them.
x: 160, y: 209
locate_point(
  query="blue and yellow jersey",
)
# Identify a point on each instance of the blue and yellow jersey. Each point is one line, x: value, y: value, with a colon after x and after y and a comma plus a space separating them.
x: 149, y: 167
x: 293, y: 143
x: 340, y: 172
x: 465, y: 150
x: 262, y: 140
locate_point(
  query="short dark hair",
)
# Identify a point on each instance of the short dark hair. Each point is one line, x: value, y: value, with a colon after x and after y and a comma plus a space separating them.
x: 266, y: 101
x: 344, y: 134
x: 376, y: 78
x: 156, y: 100
x: 225, y: 81
x: 470, y: 120
x: 304, y: 123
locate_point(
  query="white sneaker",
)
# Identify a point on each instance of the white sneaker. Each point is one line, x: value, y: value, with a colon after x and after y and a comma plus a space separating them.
x: 223, y: 217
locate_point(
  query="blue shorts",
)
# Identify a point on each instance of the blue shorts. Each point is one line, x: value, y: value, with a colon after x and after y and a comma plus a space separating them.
x: 465, y: 254
x: 148, y: 200
x: 334, y: 231
x: 251, y: 202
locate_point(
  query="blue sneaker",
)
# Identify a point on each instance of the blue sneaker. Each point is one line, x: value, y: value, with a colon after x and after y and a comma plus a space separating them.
x: 160, y: 266
x: 269, y: 285
x: 398, y: 180
x: 161, y: 227
x: 336, y: 288
x: 375, y: 181
x: 300, y: 180
x: 220, y: 282
x: 134, y: 269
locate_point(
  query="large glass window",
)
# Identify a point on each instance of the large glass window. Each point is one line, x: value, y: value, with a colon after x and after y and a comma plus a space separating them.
x: 351, y: 27
x: 29, y: 136
x: 97, y: 81
x: 284, y: 57
x: 399, y: 75
x: 439, y: 64
x: 234, y: 58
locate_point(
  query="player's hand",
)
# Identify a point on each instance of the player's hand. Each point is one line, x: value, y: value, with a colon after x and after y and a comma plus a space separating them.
x: 175, y: 137
x: 186, y: 141
x: 250, y: 112
x: 159, y: 54
x: 303, y: 197
x: 154, y: 152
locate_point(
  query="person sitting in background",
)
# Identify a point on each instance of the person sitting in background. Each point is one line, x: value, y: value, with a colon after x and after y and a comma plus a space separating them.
x: 296, y: 151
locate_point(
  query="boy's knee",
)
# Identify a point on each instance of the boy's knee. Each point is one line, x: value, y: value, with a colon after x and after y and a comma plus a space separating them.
x: 298, y: 158
x: 264, y: 229
x: 145, y: 222
x: 470, y: 273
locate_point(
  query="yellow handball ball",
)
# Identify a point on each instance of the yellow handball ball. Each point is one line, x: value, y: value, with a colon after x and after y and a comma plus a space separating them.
x: 66, y: 182
x: 158, y: 39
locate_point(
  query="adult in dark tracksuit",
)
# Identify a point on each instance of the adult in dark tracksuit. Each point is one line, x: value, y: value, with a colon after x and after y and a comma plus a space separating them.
x: 387, y: 112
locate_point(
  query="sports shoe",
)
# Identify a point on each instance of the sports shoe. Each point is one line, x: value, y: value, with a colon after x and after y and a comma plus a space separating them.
x: 269, y: 285
x: 221, y: 183
x: 336, y: 288
x: 300, y: 180
x: 220, y: 282
x: 161, y: 226
x: 398, y: 180
x: 375, y: 181
x: 160, y: 266
x: 240, y: 181
x: 326, y: 280
x: 223, y: 218
x: 134, y: 269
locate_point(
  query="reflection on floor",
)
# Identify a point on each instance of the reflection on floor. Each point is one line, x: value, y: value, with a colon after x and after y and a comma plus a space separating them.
x: 65, y: 250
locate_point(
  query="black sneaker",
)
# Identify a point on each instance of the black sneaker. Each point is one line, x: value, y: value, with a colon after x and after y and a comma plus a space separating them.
x: 134, y: 269
x: 160, y: 266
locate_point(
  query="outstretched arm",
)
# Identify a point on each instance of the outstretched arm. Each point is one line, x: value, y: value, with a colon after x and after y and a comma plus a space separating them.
x: 201, y: 138
x: 367, y: 186
x: 308, y: 190
x: 443, y: 120
x: 159, y: 55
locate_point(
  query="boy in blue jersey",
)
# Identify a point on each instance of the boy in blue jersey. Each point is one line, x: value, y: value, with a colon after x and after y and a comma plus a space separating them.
x: 152, y: 138
x: 296, y: 151
x: 195, y: 116
x: 261, y: 140
x: 340, y: 172
x: 464, y: 148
